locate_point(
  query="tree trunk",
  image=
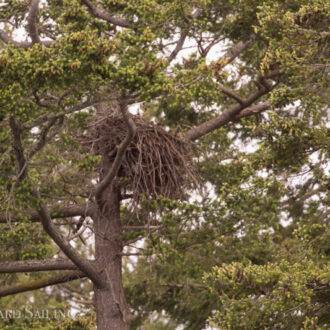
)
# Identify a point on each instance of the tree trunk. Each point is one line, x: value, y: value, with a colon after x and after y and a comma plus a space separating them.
x: 112, y: 311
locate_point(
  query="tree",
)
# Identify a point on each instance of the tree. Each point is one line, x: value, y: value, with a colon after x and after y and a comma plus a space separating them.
x: 76, y: 163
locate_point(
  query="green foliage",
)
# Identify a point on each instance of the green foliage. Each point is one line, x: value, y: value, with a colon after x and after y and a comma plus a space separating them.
x: 288, y: 293
x: 54, y: 322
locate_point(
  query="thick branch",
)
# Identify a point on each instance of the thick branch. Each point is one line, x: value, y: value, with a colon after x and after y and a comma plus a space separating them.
x: 254, y: 110
x: 237, y: 49
x: 98, y: 12
x: 65, y: 211
x: 224, y: 118
x: 83, y: 264
x: 32, y: 21
x: 102, y: 185
x: 32, y: 29
x: 41, y: 283
x: 36, y: 266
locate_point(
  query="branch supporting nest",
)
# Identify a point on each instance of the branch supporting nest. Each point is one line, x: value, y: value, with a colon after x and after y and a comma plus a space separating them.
x: 156, y: 163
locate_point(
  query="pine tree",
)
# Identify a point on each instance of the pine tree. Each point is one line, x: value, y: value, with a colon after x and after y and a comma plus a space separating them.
x: 233, y: 110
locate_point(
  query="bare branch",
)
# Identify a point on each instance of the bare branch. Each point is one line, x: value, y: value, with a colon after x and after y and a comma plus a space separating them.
x: 32, y: 21
x: 44, y: 137
x: 44, y: 104
x: 72, y: 109
x: 78, y: 234
x: 16, y: 129
x: 41, y: 283
x: 141, y: 227
x: 82, y: 106
x: 184, y: 34
x: 83, y: 264
x: 83, y: 301
x: 102, y: 185
x: 32, y: 30
x: 178, y: 47
x: 98, y: 12
x: 36, y: 266
x: 7, y: 40
x: 254, y: 110
x: 230, y: 93
x: 65, y: 211
x: 224, y: 118
x: 21, y: 44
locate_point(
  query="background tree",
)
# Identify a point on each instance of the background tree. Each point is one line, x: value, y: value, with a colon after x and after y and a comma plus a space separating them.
x: 246, y: 80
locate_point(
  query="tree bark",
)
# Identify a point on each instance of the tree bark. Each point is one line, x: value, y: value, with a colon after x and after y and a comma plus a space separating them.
x: 112, y: 311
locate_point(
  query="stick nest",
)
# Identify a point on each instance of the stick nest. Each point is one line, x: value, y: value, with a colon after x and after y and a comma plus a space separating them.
x: 156, y: 163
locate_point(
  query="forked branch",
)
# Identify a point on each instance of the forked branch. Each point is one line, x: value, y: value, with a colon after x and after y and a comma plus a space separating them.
x: 229, y: 92
x: 227, y: 116
x: 83, y: 264
x: 44, y: 136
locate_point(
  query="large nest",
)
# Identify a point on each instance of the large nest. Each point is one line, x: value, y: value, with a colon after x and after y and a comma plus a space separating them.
x: 156, y: 162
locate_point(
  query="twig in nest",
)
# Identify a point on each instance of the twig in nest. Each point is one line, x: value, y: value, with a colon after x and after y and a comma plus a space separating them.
x: 156, y: 163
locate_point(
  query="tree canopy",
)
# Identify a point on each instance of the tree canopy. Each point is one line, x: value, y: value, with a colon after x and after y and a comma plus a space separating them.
x: 165, y: 164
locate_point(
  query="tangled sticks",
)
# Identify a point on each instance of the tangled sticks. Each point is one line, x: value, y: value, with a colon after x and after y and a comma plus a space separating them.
x: 156, y: 163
